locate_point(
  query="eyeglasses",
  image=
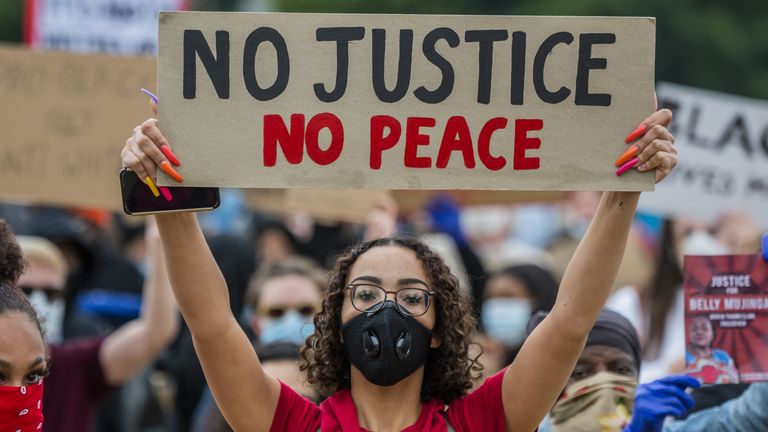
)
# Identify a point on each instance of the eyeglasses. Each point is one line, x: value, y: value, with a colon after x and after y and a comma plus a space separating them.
x: 370, y: 299
x: 307, y: 311
x: 51, y: 293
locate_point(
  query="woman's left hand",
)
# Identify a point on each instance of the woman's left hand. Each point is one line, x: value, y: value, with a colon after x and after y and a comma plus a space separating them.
x: 653, y: 147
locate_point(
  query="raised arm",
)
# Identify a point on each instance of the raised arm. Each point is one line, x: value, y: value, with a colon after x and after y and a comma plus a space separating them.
x: 245, y: 394
x: 540, y: 371
x: 134, y: 345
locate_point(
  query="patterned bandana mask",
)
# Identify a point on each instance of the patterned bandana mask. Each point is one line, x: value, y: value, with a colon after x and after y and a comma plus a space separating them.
x: 602, y: 402
x: 21, y: 408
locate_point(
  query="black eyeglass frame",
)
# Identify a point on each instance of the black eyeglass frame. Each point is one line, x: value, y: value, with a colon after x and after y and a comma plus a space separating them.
x: 377, y: 307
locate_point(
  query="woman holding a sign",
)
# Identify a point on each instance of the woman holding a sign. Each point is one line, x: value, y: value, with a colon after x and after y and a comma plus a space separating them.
x: 391, y: 342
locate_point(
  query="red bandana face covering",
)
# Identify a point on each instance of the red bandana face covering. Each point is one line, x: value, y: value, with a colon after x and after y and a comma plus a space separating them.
x: 21, y: 408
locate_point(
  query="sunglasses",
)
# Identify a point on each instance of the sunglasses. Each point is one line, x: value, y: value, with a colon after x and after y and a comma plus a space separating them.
x: 50, y: 292
x: 307, y: 311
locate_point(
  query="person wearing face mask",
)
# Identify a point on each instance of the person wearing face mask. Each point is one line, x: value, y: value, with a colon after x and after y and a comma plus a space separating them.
x: 280, y: 301
x: 283, y: 298
x: 23, y: 360
x: 603, y: 394
x: 84, y: 371
x: 391, y: 340
x: 44, y: 283
x: 510, y: 297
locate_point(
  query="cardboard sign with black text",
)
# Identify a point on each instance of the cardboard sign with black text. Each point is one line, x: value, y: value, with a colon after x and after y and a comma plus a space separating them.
x: 65, y: 119
x: 404, y: 101
x: 722, y: 142
x: 127, y: 27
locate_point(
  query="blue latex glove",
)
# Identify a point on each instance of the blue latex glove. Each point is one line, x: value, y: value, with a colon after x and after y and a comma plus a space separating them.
x: 657, y: 400
x: 445, y: 214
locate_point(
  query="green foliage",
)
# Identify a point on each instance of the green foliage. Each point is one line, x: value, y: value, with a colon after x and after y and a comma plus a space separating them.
x: 11, y: 20
x: 715, y: 44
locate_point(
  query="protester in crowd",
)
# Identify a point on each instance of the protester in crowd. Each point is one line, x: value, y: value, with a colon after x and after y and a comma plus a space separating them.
x: 273, y: 242
x: 395, y: 312
x: 510, y: 297
x: 43, y: 283
x: 301, y: 234
x: 83, y: 371
x: 94, y: 267
x: 279, y: 360
x: 129, y: 237
x: 445, y: 217
x: 280, y: 302
x: 577, y: 210
x: 283, y: 298
x: 713, y: 366
x: 235, y: 257
x: 745, y: 413
x: 23, y: 359
x: 602, y: 393
x: 657, y: 310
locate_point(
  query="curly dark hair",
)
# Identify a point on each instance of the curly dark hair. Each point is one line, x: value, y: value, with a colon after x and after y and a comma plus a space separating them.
x: 449, y: 371
x: 12, y: 265
x: 11, y: 260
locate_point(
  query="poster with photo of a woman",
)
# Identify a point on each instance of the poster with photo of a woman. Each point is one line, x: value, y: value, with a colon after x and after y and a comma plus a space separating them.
x: 726, y: 318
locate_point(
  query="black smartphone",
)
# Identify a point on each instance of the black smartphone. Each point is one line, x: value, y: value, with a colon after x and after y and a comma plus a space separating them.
x: 139, y: 200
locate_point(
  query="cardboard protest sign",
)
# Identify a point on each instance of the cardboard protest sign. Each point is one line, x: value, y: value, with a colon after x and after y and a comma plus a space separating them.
x: 409, y: 201
x: 273, y: 201
x: 404, y: 101
x: 65, y: 118
x: 726, y: 318
x: 722, y: 142
x: 331, y: 204
x: 127, y: 27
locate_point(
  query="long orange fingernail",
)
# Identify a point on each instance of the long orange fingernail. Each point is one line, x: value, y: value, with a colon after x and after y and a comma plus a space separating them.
x: 166, y: 149
x: 637, y: 133
x: 629, y: 154
x: 148, y: 181
x: 168, y: 169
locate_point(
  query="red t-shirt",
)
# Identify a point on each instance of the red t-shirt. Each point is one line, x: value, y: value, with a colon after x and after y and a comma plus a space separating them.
x: 481, y: 410
x: 74, y: 387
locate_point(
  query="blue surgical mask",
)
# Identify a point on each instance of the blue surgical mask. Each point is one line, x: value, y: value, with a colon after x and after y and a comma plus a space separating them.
x: 505, y: 319
x: 292, y: 327
x: 536, y: 225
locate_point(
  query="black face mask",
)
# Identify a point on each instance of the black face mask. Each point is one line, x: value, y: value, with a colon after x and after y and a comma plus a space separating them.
x: 386, y: 346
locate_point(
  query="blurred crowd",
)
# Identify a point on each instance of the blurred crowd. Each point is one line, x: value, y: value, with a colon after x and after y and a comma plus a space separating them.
x: 97, y: 281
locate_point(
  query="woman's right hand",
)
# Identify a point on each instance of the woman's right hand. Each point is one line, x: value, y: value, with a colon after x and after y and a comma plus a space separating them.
x: 146, y: 150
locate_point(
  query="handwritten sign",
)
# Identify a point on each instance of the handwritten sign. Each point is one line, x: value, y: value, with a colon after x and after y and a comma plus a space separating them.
x: 330, y: 204
x: 127, y: 27
x: 65, y: 118
x: 409, y: 201
x: 726, y: 318
x: 404, y: 101
x: 722, y: 142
